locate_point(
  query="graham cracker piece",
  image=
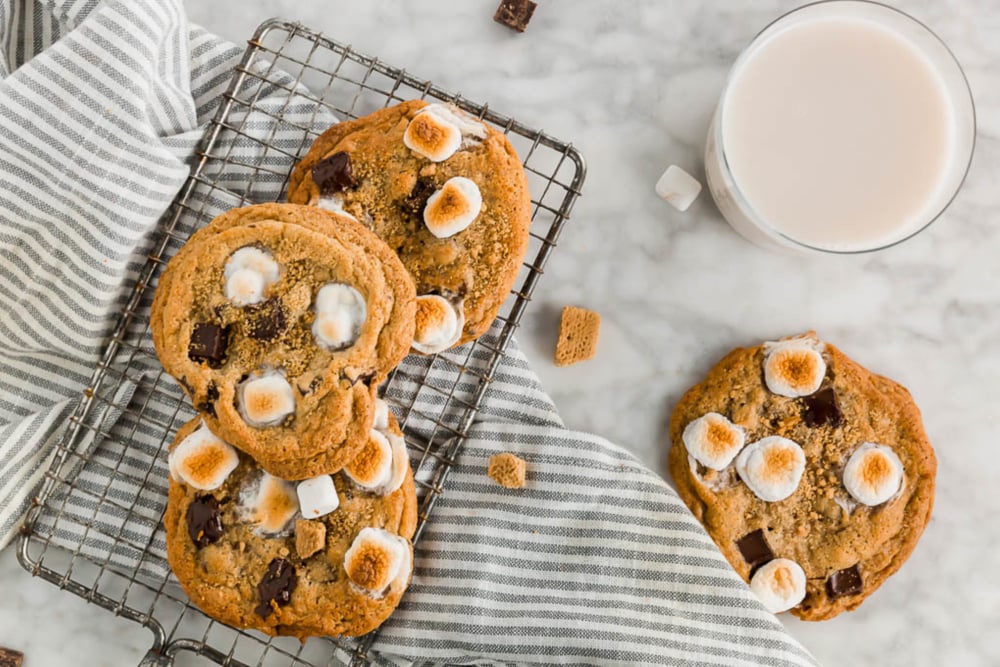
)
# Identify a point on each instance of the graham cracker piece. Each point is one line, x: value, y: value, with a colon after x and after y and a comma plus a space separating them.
x: 578, y: 332
x: 507, y: 470
x: 310, y: 537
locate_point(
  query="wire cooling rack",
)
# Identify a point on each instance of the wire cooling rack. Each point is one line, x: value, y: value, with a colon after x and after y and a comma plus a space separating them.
x: 96, y: 527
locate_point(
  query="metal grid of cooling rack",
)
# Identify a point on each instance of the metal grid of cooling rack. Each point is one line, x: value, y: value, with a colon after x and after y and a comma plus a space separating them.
x: 96, y: 527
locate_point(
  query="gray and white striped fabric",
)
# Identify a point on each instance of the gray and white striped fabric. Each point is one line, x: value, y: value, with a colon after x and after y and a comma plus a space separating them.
x: 596, y: 561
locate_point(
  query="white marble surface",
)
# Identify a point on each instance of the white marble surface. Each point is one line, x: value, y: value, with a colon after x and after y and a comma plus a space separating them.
x: 633, y: 86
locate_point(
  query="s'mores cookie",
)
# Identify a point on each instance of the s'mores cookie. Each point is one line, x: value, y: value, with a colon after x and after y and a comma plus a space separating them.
x: 813, y: 475
x: 280, y: 321
x: 445, y: 191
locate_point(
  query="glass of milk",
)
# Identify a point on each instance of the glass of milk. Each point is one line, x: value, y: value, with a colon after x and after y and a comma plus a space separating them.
x: 845, y: 126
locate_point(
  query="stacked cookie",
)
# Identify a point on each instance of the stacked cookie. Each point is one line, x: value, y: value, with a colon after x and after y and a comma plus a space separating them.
x: 292, y: 502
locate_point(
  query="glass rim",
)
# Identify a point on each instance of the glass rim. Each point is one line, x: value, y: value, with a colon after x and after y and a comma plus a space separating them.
x: 742, y: 201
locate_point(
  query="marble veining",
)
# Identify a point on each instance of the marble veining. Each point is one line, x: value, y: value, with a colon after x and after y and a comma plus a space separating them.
x: 634, y: 85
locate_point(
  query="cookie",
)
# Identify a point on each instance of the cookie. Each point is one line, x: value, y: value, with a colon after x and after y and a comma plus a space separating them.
x: 507, y: 470
x: 579, y: 329
x: 280, y: 321
x: 445, y: 191
x: 813, y: 475
x: 326, y: 556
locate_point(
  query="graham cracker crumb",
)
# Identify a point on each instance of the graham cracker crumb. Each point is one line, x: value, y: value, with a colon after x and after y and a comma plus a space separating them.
x: 578, y: 332
x: 507, y: 470
x: 310, y: 537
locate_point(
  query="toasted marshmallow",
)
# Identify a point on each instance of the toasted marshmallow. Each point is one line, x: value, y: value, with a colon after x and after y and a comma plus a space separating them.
x: 340, y: 312
x: 317, y: 497
x: 771, y: 467
x: 333, y: 203
x: 439, y: 324
x: 248, y: 273
x: 381, y: 415
x: 269, y: 504
x: 873, y: 474
x: 794, y: 367
x: 713, y: 440
x: 779, y: 584
x: 439, y: 130
x: 202, y: 460
x: 376, y: 560
x: 372, y: 467
x: 453, y: 208
x: 265, y: 399
x: 400, y: 464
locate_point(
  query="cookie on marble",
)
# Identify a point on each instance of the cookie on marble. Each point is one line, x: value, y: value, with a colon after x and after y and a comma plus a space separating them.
x: 445, y: 191
x: 813, y: 475
x: 280, y: 321
x: 325, y: 556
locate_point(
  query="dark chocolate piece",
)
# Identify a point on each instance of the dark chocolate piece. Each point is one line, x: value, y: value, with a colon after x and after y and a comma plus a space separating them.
x: 844, y: 582
x: 821, y: 409
x: 334, y: 174
x: 277, y: 586
x: 755, y: 549
x: 515, y: 14
x: 204, y: 520
x: 365, y: 377
x: 10, y: 658
x: 208, y: 343
x: 211, y: 396
x: 266, y: 321
x: 416, y: 201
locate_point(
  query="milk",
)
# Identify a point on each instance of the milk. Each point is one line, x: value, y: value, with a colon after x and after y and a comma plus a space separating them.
x: 838, y: 133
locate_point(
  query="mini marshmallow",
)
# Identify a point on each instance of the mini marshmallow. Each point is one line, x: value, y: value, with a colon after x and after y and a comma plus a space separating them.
x: 439, y: 324
x: 678, y: 188
x: 265, y: 399
x: 372, y: 467
x: 376, y: 560
x: 771, y: 467
x: 248, y: 273
x: 432, y: 136
x: 381, y: 415
x: 333, y: 203
x: 470, y: 127
x: 270, y: 504
x: 317, y: 497
x: 340, y: 313
x: 873, y: 474
x: 202, y: 460
x: 453, y: 208
x: 779, y: 584
x: 400, y: 464
x: 713, y: 440
x: 794, y: 367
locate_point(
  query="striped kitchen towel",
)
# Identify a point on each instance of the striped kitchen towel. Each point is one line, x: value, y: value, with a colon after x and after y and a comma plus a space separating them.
x: 102, y: 105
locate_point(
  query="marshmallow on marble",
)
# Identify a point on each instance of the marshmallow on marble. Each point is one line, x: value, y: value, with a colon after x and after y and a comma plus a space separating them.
x: 438, y: 131
x: 439, y: 324
x: 317, y: 496
x: 265, y: 399
x: 771, y: 467
x: 453, y: 208
x: 270, y: 504
x: 340, y: 313
x: 372, y: 467
x: 678, y: 188
x: 381, y: 422
x: 248, y: 273
x: 779, y: 584
x: 376, y: 560
x: 713, y: 440
x: 794, y: 367
x: 873, y: 474
x: 202, y: 460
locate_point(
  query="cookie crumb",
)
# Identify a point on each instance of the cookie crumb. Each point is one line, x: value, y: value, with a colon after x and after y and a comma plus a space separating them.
x: 310, y: 537
x: 578, y: 332
x: 10, y: 657
x: 507, y: 470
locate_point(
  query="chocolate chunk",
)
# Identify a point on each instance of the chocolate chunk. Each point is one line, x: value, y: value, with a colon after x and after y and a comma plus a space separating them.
x: 334, y: 174
x: 821, y: 409
x: 265, y: 321
x: 352, y: 376
x: 755, y: 548
x: 208, y: 343
x: 844, y: 582
x: 277, y: 586
x: 417, y: 199
x: 10, y: 658
x: 515, y: 14
x: 211, y: 396
x: 204, y: 520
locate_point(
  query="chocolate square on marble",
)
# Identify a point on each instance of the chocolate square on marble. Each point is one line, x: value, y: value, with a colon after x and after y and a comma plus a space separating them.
x: 844, y: 582
x: 515, y: 14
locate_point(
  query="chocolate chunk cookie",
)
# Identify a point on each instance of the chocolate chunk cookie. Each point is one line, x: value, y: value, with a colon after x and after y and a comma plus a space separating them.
x: 325, y: 556
x: 445, y: 191
x: 280, y: 321
x: 813, y: 475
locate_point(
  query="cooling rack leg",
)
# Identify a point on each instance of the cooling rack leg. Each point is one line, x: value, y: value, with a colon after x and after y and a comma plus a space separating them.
x: 156, y: 659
